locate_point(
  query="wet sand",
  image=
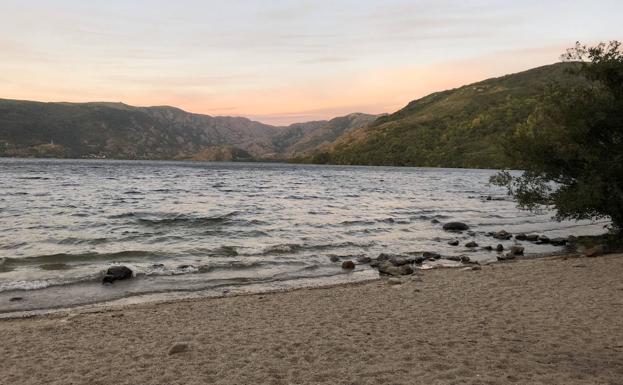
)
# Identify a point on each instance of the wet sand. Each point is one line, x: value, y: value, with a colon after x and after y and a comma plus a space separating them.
x: 533, y: 321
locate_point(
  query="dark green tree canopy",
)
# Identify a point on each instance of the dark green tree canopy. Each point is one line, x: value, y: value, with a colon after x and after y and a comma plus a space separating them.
x: 571, y: 146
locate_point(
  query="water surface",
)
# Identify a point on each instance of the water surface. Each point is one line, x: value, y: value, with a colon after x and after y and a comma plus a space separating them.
x: 184, y: 226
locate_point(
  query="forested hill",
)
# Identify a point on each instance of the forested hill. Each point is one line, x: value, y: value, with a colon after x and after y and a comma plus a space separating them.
x: 462, y: 127
x: 120, y: 131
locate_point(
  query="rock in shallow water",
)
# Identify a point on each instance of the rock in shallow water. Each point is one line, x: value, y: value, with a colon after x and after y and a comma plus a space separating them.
x: 453, y: 242
x: 503, y: 235
x: 471, y: 244
x: 517, y: 250
x: 348, y: 265
x: 430, y: 255
x: 117, y: 273
x: 558, y: 241
x: 363, y: 259
x: 455, y: 226
x: 532, y: 237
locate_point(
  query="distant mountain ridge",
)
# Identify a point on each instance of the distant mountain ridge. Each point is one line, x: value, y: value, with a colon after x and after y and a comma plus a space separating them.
x: 462, y: 127
x: 117, y: 130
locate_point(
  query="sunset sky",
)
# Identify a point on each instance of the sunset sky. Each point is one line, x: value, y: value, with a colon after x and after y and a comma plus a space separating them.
x: 281, y: 61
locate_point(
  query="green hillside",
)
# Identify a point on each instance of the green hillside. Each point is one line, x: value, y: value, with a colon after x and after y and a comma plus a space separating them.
x: 463, y: 127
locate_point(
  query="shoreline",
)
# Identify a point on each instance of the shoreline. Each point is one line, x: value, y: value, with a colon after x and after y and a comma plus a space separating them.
x: 534, y: 320
x: 227, y: 291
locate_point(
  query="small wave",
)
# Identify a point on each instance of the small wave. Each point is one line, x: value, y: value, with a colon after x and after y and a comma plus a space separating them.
x: 356, y: 223
x: 186, y: 220
x: 84, y: 257
x: 37, y: 284
x: 296, y: 247
x: 14, y: 245
x: 81, y: 241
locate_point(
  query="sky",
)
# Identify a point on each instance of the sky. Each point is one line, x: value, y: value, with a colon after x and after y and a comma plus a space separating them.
x: 281, y: 61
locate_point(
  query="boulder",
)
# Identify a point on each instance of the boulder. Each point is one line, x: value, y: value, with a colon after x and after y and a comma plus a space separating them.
x: 398, y: 260
x: 532, y: 237
x: 386, y: 268
x: 363, y: 259
x: 471, y: 244
x: 117, y: 273
x: 506, y: 257
x: 503, y: 235
x: 418, y: 260
x: 455, y: 226
x: 543, y: 239
x: 516, y: 250
x: 348, y: 265
x: 465, y: 259
x: 453, y: 242
x: 558, y: 241
x: 430, y: 255
x: 521, y: 237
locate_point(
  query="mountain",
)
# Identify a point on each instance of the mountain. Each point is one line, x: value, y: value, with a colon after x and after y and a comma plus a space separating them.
x: 117, y: 130
x: 301, y: 139
x: 462, y: 127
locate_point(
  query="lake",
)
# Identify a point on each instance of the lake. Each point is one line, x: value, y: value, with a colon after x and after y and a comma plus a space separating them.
x: 215, y: 228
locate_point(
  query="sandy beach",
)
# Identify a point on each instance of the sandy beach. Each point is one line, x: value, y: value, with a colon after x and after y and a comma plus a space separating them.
x: 535, y: 321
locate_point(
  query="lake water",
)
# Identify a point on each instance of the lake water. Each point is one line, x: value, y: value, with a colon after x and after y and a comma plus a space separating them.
x: 231, y: 227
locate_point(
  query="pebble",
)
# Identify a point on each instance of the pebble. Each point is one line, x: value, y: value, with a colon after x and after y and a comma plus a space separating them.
x: 178, y: 347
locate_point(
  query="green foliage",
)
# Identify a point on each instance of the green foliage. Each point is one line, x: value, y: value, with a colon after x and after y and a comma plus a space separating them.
x: 462, y: 127
x: 571, y: 147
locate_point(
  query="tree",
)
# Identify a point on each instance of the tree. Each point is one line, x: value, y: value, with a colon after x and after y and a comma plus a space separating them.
x: 571, y: 146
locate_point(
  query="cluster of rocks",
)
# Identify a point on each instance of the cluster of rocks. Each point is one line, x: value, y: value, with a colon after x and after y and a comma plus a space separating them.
x: 535, y: 238
x: 399, y: 265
